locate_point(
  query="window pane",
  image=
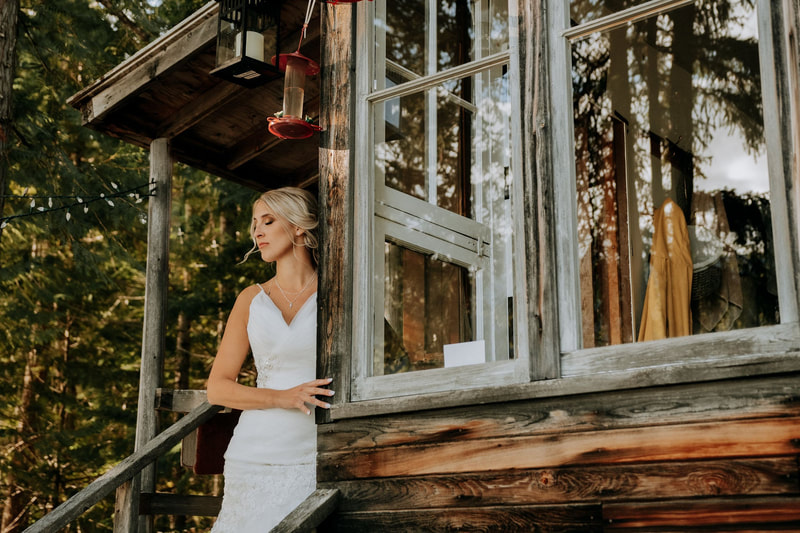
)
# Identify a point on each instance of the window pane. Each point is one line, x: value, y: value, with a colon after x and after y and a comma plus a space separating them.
x: 415, y: 38
x: 447, y: 145
x: 672, y: 183
x: 427, y: 308
x: 586, y: 10
x: 402, y: 35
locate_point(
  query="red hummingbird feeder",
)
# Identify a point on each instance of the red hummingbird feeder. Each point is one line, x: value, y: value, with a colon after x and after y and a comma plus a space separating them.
x: 291, y: 124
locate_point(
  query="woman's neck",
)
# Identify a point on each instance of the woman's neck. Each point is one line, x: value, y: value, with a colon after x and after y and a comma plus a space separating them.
x: 294, y: 275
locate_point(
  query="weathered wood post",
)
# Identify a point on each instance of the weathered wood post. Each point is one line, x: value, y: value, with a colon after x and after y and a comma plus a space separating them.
x: 334, y: 333
x: 126, y: 515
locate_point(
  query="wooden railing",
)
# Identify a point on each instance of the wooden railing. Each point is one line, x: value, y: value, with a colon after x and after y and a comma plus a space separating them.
x: 125, y: 470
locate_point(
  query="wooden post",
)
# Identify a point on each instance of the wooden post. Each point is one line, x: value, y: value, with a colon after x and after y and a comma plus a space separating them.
x: 334, y: 337
x: 539, y: 196
x: 126, y: 518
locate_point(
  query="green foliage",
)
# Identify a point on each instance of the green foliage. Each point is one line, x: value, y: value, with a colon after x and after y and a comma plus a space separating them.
x: 71, y: 289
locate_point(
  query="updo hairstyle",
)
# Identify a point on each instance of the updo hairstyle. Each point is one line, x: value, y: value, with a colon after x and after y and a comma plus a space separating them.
x: 296, y: 207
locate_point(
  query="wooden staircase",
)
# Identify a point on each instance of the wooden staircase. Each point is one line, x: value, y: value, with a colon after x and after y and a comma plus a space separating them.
x: 308, y: 515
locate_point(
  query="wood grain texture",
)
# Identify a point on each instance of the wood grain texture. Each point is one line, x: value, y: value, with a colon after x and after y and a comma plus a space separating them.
x: 538, y: 200
x: 636, y: 378
x: 724, y: 400
x: 309, y: 514
x: 585, y: 484
x: 179, y: 504
x: 529, y: 519
x: 680, y: 442
x: 334, y: 318
x: 703, y: 513
x: 718, y: 350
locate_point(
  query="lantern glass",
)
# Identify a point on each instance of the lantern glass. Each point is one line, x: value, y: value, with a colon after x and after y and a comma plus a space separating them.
x: 293, y: 87
x: 247, y: 36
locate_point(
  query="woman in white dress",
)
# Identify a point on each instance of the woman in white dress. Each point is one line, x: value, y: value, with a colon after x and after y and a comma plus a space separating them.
x: 270, y: 461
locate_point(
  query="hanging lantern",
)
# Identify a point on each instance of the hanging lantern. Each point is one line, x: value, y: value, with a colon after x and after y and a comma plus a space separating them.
x: 290, y: 123
x: 248, y: 32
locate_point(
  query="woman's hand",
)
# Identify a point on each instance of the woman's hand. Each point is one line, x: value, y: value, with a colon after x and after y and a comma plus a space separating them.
x: 301, y: 396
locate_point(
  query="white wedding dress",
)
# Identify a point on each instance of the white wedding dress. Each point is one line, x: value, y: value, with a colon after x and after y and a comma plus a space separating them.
x: 270, y: 461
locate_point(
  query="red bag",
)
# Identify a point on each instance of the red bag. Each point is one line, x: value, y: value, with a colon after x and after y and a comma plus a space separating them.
x: 212, y: 441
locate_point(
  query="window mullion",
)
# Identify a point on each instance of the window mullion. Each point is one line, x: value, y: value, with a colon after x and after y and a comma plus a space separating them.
x: 621, y: 18
x: 430, y: 106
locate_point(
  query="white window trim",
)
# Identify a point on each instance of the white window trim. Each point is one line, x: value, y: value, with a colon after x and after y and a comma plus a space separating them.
x: 364, y: 386
x: 742, y: 345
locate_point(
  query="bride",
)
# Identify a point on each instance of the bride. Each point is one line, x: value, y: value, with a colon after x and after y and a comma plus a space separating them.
x: 270, y: 461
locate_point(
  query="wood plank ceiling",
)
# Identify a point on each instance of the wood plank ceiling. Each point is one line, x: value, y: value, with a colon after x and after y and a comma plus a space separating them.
x: 165, y: 90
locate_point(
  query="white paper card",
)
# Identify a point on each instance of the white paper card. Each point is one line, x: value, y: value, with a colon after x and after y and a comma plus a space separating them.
x: 464, y: 353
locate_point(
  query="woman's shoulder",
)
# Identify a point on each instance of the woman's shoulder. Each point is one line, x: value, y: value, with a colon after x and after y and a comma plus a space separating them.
x: 248, y: 293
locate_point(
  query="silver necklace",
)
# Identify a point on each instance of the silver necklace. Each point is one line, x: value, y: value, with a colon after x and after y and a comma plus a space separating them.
x: 301, y: 291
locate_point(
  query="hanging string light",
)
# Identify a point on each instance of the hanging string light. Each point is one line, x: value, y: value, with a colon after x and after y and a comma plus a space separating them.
x: 75, y: 202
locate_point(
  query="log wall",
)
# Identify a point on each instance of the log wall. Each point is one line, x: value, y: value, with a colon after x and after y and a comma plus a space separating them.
x: 715, y: 456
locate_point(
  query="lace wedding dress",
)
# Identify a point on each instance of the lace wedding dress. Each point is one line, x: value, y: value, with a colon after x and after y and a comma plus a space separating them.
x: 270, y: 461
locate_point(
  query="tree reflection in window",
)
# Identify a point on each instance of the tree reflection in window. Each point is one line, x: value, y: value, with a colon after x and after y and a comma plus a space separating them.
x: 662, y: 109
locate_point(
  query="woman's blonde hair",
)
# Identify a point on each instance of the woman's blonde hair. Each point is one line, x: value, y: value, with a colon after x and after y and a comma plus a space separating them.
x: 294, y: 206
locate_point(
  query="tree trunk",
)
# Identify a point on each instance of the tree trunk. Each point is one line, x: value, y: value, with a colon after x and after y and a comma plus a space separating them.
x: 14, y: 506
x: 9, y: 12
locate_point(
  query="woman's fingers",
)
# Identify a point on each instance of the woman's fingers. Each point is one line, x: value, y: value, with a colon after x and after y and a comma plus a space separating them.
x: 311, y: 390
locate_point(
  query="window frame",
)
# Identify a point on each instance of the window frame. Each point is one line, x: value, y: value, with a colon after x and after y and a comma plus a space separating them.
x: 538, y: 55
x: 741, y: 344
x: 369, y: 225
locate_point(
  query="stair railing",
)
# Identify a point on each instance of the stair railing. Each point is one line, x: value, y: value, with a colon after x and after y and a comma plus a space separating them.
x: 98, y: 489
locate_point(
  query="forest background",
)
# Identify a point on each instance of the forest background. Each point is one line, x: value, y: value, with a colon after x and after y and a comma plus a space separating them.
x: 72, y: 257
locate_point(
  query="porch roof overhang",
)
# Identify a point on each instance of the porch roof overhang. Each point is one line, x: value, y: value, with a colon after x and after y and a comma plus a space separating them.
x: 165, y: 91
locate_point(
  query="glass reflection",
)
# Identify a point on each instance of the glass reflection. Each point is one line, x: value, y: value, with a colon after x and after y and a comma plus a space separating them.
x: 441, y: 147
x: 671, y: 176
x: 427, y: 306
x: 586, y: 10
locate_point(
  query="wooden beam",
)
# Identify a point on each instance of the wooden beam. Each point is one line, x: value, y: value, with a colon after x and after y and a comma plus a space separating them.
x: 586, y: 518
x: 193, y: 34
x: 311, y: 513
x: 179, y: 400
x: 540, y: 301
x: 252, y: 146
x: 750, y: 399
x: 575, y: 484
x: 199, y: 109
x: 706, y: 514
x: 335, y: 319
x: 694, y: 372
x: 680, y: 442
x: 161, y: 503
x: 126, y: 469
x: 155, y: 320
x: 256, y: 143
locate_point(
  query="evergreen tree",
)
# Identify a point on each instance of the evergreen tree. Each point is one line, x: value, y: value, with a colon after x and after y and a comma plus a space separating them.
x: 71, y: 275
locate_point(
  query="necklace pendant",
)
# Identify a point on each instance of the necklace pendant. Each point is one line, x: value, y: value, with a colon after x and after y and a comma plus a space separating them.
x: 291, y: 304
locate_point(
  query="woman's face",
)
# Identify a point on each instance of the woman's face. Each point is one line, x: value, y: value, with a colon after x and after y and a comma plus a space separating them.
x: 273, y: 235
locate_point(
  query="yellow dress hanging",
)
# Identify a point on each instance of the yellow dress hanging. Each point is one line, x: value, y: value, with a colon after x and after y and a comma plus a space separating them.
x: 667, y: 304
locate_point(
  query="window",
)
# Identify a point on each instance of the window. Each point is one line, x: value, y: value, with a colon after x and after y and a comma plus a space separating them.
x: 673, y: 197
x: 437, y: 193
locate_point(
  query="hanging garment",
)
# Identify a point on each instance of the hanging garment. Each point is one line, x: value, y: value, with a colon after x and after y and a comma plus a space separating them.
x: 667, y: 311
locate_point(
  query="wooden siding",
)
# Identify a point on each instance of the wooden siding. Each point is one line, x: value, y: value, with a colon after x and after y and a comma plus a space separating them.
x: 721, y: 455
